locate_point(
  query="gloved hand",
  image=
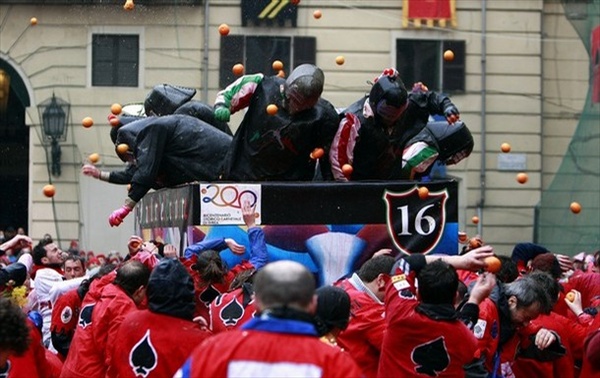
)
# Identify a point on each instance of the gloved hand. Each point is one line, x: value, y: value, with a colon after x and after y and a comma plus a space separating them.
x: 117, y: 216
x: 90, y: 170
x: 222, y: 114
x: 452, y: 114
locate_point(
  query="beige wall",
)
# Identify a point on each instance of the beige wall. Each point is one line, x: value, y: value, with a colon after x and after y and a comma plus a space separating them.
x: 536, y: 67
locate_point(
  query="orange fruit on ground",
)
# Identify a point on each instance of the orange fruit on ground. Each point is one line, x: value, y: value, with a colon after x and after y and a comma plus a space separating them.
x: 339, y: 60
x: 129, y: 5
x: 272, y: 109
x: 87, y: 122
x: 94, y: 158
x: 423, y: 192
x: 238, y: 69
x: 122, y: 148
x: 224, y: 29
x: 33, y: 21
x: 347, y: 170
x: 522, y: 178
x: 277, y: 65
x: 116, y: 109
x: 505, y: 147
x: 317, y: 14
x: 448, y: 55
x: 575, y: 207
x: 570, y: 296
x: 49, y: 190
x: 492, y: 264
x: 317, y: 153
x: 475, y: 219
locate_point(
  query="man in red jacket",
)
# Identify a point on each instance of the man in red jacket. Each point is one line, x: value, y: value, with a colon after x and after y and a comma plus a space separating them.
x: 282, y: 342
x: 150, y: 341
x: 364, y: 335
x: 102, y: 312
x: 428, y: 337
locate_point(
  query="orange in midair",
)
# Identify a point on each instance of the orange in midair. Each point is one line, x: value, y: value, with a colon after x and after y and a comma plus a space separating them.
x: 317, y: 153
x: 423, y: 192
x: 522, y: 178
x: 49, y: 190
x: 129, y: 5
x: 122, y: 148
x: 238, y: 69
x: 277, y: 65
x: 347, y: 170
x: 33, y: 21
x: 272, y: 109
x: 575, y: 207
x: 475, y: 219
x: 224, y: 29
x: 317, y: 14
x: 87, y: 122
x: 116, y: 109
x: 94, y: 158
x: 339, y: 60
x: 505, y: 147
x: 448, y: 55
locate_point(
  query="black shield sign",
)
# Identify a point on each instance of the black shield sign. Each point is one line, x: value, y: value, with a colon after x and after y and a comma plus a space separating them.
x: 416, y: 224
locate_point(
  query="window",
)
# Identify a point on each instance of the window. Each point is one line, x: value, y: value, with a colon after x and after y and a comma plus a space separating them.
x: 257, y: 54
x: 422, y: 60
x: 115, y: 60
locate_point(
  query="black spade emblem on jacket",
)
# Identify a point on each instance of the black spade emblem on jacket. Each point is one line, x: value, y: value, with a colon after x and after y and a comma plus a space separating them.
x: 232, y: 313
x: 85, y: 316
x: 431, y: 357
x: 4, y: 371
x: 143, y: 358
x: 209, y: 294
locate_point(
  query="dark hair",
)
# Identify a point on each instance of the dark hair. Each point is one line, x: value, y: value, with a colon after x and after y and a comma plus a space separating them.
x: 547, y: 262
x: 375, y: 266
x: 284, y: 283
x: 528, y: 291
x: 437, y: 283
x: 39, y: 251
x: 132, y: 275
x: 211, y: 267
x: 508, y: 270
x: 333, y: 309
x: 548, y: 283
x: 241, y: 278
x: 84, y: 287
x: 74, y: 257
x: 14, y: 333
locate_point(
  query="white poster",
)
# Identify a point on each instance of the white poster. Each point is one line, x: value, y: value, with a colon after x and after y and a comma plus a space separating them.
x: 221, y: 204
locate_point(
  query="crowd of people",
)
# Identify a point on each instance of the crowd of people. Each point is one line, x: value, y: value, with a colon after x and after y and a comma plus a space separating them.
x: 162, y: 314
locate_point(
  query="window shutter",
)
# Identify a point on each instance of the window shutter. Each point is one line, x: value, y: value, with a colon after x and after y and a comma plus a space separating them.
x: 305, y: 50
x: 232, y: 52
x: 454, y: 70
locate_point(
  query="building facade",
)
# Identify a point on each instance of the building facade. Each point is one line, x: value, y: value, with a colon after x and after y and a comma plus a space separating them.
x: 520, y: 75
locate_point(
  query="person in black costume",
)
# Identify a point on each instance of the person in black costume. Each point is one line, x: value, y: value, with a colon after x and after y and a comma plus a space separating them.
x: 278, y: 147
x: 375, y: 130
x: 163, y: 152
